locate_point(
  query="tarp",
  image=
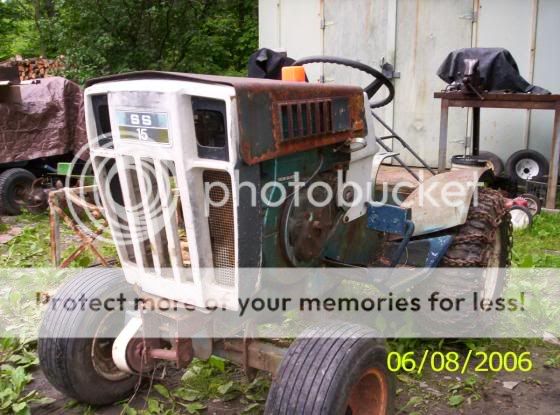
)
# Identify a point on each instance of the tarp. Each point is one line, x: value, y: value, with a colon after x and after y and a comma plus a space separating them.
x: 41, y: 120
x: 498, y: 70
x: 268, y: 64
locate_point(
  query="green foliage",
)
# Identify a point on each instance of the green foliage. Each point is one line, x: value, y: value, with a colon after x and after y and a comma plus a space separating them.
x: 202, y: 382
x: 465, y: 390
x: 31, y: 247
x: 15, y: 359
x: 538, y: 246
x: 99, y: 37
x: 19, y: 32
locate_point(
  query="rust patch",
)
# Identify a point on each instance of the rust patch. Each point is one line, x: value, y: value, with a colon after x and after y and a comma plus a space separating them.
x: 269, y: 142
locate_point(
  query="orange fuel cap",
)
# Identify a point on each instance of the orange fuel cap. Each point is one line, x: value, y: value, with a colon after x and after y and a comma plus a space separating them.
x: 293, y: 73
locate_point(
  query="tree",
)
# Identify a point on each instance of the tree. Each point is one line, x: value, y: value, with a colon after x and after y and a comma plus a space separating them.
x: 18, y: 33
x: 100, y: 37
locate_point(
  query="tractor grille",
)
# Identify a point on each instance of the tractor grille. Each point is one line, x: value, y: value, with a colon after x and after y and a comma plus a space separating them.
x: 221, y: 225
x: 144, y: 207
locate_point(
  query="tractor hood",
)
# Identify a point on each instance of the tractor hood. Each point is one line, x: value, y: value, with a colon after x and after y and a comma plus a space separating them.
x: 277, y: 118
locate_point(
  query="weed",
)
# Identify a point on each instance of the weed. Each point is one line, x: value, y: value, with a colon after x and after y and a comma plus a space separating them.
x: 538, y: 246
x: 553, y: 360
x: 466, y: 390
x: 15, y: 359
x: 202, y: 382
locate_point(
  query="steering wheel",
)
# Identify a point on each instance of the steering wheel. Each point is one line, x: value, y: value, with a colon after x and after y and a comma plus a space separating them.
x: 371, y: 89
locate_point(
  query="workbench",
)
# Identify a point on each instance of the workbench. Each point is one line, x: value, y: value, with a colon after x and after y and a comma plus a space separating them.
x: 502, y: 100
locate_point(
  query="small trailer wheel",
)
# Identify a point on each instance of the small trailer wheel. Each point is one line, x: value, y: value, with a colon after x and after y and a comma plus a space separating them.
x: 534, y: 204
x: 335, y: 369
x: 521, y: 217
x: 15, y: 185
x: 526, y: 165
x: 79, y: 366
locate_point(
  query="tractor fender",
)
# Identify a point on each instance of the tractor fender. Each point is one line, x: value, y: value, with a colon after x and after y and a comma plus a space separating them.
x: 442, y: 201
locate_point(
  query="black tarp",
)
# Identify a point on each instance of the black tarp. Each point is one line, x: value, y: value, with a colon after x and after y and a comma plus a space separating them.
x: 498, y: 70
x: 266, y: 63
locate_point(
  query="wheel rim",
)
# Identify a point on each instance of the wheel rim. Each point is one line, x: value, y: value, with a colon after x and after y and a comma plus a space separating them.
x: 369, y: 396
x: 519, y: 219
x: 492, y: 272
x: 20, y: 191
x: 102, y: 351
x: 527, y: 168
x: 532, y: 206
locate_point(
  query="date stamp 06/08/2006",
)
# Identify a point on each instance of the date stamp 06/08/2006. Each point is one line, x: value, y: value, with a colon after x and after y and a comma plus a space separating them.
x: 453, y: 362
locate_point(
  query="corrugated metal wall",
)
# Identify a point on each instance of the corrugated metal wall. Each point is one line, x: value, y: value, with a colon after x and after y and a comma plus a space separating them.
x: 416, y: 35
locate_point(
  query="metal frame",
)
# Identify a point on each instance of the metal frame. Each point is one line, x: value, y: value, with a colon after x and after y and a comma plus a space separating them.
x: 507, y: 101
x: 395, y: 136
x: 59, y: 198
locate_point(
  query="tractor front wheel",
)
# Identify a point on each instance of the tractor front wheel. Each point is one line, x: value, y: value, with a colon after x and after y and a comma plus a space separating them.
x: 334, y: 369
x: 77, y: 363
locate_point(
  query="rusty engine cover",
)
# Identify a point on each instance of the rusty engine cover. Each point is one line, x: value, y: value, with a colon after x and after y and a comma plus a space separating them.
x: 278, y: 118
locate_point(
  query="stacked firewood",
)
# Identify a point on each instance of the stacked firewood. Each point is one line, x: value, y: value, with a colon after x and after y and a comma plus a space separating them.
x: 34, y: 68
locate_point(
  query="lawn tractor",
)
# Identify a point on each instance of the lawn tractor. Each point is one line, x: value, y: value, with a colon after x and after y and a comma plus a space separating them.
x: 176, y: 157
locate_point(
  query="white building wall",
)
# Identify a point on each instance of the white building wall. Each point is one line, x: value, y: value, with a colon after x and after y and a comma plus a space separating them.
x: 416, y: 35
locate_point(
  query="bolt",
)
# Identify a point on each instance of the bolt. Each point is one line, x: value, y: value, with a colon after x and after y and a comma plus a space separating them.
x: 348, y: 195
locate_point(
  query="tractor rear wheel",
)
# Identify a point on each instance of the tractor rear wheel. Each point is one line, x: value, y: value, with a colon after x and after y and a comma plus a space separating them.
x: 337, y: 369
x: 77, y: 364
x: 484, y: 241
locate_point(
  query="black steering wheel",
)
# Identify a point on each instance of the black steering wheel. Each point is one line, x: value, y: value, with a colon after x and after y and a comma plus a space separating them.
x: 371, y: 89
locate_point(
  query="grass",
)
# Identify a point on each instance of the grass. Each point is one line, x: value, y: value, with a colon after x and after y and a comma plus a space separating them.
x: 538, y: 246
x: 31, y: 247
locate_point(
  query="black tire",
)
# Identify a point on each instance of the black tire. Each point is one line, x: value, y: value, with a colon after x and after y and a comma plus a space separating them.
x: 15, y: 184
x: 467, y: 161
x: 534, y: 204
x: 66, y: 356
x: 487, y: 224
x: 494, y: 162
x: 521, y: 217
x: 332, y: 370
x: 483, y: 241
x: 537, y: 167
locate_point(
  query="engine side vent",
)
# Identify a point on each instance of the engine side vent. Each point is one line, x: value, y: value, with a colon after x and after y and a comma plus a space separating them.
x: 221, y: 225
x: 301, y: 119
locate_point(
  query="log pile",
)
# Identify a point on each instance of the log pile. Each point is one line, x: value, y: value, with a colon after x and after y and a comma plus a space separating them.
x: 35, y: 68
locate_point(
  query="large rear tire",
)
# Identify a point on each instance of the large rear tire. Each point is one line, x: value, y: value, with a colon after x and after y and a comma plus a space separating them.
x: 484, y: 241
x: 82, y: 367
x: 336, y: 369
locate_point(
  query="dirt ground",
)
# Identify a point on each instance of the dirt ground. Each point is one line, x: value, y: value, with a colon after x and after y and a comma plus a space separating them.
x: 538, y: 393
